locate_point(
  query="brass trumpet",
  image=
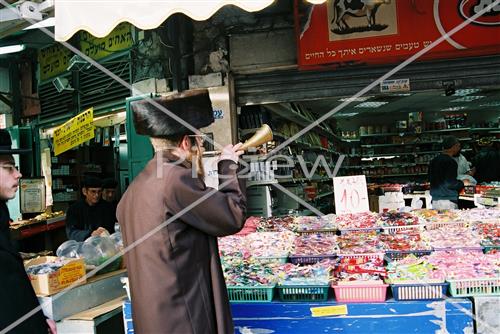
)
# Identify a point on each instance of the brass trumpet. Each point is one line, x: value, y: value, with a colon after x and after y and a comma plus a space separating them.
x: 263, y: 135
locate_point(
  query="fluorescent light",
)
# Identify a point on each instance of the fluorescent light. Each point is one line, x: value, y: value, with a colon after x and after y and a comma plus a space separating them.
x: 468, y: 98
x: 316, y: 2
x: 464, y: 92
x: 12, y: 48
x: 491, y: 104
x: 355, y: 99
x: 50, y: 22
x: 373, y: 104
x: 453, y: 108
x: 349, y: 114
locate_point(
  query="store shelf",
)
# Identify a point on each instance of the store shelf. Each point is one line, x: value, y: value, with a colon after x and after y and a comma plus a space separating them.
x: 386, y: 134
x: 483, y: 129
x: 406, y: 153
x: 395, y: 175
x: 447, y: 130
x: 303, y: 179
x: 324, y: 194
x: 260, y: 183
x: 395, y: 165
x: 408, y: 144
x: 292, y: 116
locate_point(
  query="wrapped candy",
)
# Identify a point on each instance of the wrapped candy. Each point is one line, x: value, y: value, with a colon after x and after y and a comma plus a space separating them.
x: 357, y: 220
x: 315, y: 244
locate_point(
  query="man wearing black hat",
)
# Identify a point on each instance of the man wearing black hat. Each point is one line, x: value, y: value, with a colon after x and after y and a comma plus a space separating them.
x: 109, y: 194
x: 17, y: 297
x: 443, y: 176
x: 175, y: 274
x: 89, y: 216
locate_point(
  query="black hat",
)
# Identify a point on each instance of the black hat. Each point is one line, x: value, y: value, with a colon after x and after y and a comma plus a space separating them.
x: 6, y: 144
x: 109, y: 183
x: 91, y: 182
x: 449, y: 141
x: 193, y: 106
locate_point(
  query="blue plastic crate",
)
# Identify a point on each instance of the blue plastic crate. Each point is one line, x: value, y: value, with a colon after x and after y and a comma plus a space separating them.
x: 424, y: 291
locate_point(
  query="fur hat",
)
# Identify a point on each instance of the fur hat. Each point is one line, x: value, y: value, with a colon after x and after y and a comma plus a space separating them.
x: 109, y: 183
x: 193, y: 106
x: 6, y: 144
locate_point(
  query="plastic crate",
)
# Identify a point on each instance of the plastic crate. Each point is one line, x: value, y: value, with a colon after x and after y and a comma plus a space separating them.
x: 309, y: 259
x: 366, y: 255
x: 424, y: 291
x: 360, y: 293
x: 329, y: 232
x: 249, y: 294
x: 436, y: 225
x: 470, y: 249
x: 303, y: 293
x: 397, y: 229
x: 359, y: 230
x: 271, y: 259
x: 475, y: 287
x: 491, y: 248
x: 399, y: 255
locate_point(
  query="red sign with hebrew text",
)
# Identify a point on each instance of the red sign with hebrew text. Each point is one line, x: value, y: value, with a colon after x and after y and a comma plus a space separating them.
x: 342, y: 32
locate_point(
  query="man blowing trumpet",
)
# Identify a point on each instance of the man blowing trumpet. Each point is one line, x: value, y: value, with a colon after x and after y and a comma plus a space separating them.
x: 175, y: 275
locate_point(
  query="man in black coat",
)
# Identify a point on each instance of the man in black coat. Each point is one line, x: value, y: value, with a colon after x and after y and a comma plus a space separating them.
x: 89, y: 216
x: 16, y: 293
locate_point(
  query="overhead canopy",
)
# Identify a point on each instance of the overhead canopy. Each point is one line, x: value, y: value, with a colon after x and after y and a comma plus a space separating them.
x: 100, y: 17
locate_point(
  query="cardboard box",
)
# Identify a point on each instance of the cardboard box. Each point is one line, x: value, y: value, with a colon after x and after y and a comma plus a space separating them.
x: 49, y: 284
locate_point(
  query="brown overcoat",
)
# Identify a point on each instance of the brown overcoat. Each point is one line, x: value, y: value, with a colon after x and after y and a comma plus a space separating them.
x: 175, y: 275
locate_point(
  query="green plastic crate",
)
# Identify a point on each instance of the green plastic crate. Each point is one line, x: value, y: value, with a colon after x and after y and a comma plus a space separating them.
x: 251, y: 294
x: 475, y: 287
x: 303, y: 293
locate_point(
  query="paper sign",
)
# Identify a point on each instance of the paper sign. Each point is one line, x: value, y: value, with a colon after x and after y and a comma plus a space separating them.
x: 326, y: 311
x: 74, y: 132
x: 211, y: 172
x: 398, y: 85
x: 351, y: 194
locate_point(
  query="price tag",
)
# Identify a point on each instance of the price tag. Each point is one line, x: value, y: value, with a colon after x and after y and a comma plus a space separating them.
x: 351, y: 194
x: 327, y: 311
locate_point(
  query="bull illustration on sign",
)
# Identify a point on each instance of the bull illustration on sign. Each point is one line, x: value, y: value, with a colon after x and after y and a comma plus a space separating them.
x: 356, y: 8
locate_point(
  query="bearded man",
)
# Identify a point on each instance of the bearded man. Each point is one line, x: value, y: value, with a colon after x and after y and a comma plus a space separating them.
x: 175, y: 273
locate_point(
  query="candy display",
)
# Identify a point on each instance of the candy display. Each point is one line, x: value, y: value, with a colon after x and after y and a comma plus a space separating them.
x: 489, y: 234
x: 357, y: 220
x: 360, y: 269
x: 315, y: 244
x: 359, y: 243
x: 307, y: 224
x: 452, y: 237
x: 247, y: 272
x: 419, y: 247
x: 460, y: 264
x: 406, y: 240
x: 275, y: 224
x: 480, y: 215
x: 413, y: 270
x: 269, y: 244
x: 314, y: 274
x: 397, y: 219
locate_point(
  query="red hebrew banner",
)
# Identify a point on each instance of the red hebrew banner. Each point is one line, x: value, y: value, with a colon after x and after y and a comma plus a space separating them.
x: 341, y: 32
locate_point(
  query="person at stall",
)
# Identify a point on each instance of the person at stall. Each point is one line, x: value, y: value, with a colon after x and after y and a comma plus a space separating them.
x: 445, y: 186
x: 109, y: 193
x: 90, y: 216
x: 175, y: 275
x: 465, y: 171
x: 487, y: 161
x: 17, y: 296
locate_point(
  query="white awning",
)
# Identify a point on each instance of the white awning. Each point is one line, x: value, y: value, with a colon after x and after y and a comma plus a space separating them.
x: 100, y: 17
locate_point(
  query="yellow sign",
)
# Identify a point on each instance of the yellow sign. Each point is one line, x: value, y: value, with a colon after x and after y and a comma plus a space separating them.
x: 96, y: 48
x: 327, y: 311
x: 74, y: 132
x: 53, y: 60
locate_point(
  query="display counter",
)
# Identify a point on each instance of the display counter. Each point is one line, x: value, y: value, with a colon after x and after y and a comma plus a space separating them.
x: 39, y: 235
x: 453, y: 315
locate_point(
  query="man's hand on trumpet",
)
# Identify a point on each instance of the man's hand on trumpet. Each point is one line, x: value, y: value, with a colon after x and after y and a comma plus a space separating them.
x: 230, y: 152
